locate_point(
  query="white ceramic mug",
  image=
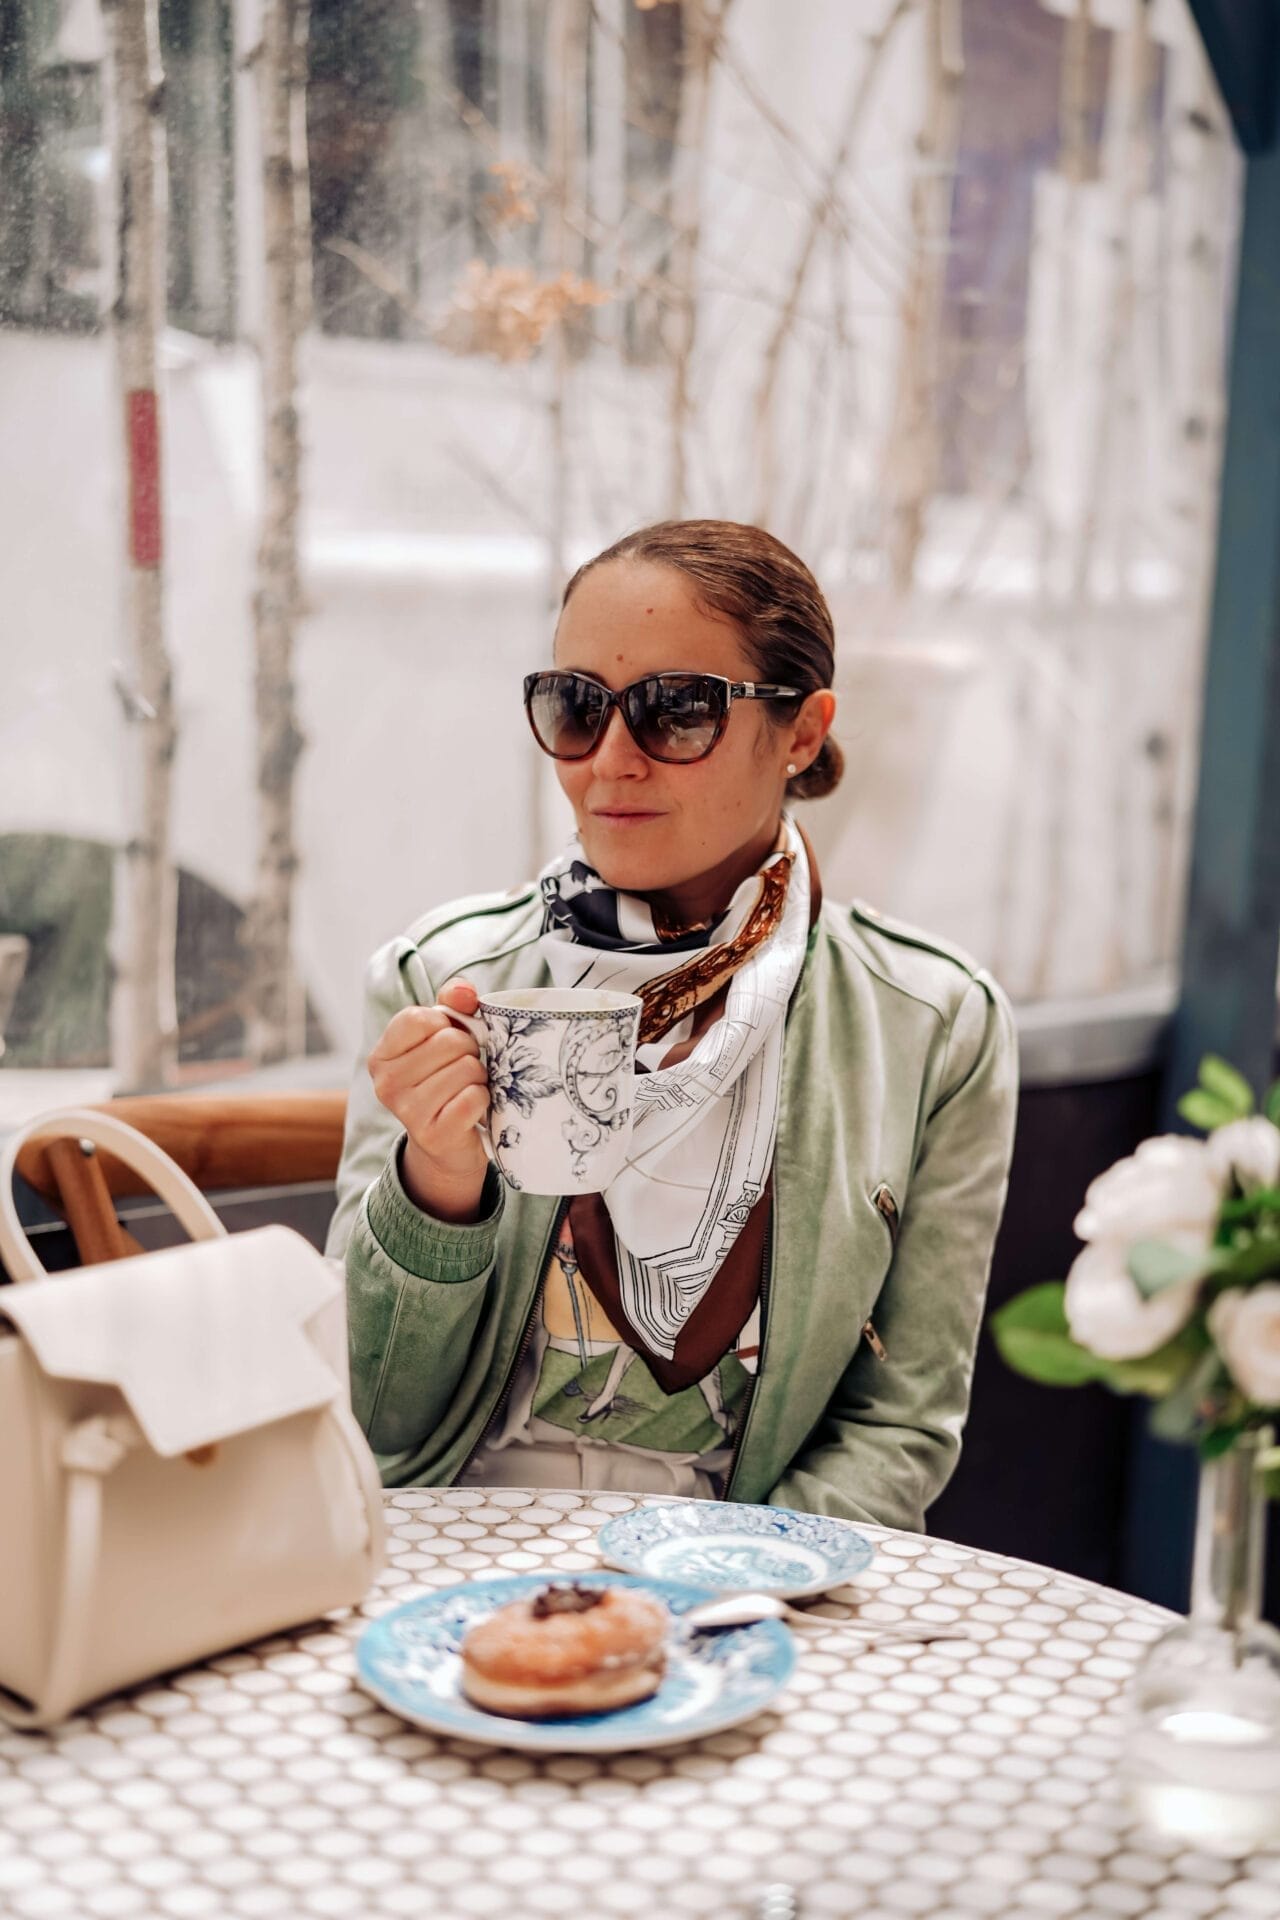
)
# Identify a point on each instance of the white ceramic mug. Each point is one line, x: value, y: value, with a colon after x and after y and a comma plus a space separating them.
x: 561, y: 1066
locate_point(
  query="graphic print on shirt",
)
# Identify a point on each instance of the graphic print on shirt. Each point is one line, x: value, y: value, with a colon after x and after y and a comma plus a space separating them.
x: 592, y: 1384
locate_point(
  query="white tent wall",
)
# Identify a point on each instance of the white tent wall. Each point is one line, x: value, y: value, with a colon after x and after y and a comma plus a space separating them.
x: 425, y: 514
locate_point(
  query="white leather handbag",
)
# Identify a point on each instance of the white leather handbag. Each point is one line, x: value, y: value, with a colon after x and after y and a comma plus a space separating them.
x: 180, y: 1471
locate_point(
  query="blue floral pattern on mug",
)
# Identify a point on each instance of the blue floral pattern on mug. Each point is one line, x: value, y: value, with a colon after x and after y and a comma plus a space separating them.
x: 517, y: 1075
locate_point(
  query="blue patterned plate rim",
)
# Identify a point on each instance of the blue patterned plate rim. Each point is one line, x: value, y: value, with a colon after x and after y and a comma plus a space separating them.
x: 731, y: 1547
x: 408, y: 1660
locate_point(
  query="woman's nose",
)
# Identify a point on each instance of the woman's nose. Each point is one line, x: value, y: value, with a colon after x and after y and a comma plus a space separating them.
x: 617, y: 755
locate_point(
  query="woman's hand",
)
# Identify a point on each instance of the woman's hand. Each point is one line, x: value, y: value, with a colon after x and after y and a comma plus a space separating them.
x: 427, y: 1072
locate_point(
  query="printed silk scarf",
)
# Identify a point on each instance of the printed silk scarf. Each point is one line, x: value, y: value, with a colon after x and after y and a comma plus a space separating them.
x: 705, y: 1125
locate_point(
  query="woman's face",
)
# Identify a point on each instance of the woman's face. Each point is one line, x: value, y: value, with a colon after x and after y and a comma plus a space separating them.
x: 687, y: 834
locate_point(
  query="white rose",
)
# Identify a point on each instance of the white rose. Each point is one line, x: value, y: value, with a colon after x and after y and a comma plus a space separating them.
x: 1107, y: 1314
x: 1245, y: 1322
x: 1168, y: 1190
x: 1249, y: 1149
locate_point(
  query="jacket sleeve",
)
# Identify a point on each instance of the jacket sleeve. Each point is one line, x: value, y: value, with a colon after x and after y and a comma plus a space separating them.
x: 890, y: 1437
x: 416, y: 1286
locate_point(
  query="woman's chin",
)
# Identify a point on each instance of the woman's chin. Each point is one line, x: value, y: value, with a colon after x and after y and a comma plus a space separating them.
x: 630, y: 868
x: 628, y: 876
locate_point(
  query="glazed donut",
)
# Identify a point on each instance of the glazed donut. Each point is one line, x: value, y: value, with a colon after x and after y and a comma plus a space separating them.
x: 566, y: 1649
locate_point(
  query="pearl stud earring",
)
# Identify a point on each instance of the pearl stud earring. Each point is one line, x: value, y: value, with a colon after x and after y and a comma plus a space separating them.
x: 791, y: 769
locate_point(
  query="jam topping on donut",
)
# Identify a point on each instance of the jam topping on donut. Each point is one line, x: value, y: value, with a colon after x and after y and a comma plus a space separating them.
x: 573, y: 1598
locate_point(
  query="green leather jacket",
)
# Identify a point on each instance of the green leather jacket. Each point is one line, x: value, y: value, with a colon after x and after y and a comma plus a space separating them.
x: 894, y: 1138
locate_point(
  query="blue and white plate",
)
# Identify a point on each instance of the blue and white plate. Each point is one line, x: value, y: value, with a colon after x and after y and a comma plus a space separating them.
x: 409, y: 1660
x: 736, y: 1548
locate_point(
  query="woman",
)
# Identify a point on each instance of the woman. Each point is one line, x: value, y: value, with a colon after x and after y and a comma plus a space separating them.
x: 784, y: 1306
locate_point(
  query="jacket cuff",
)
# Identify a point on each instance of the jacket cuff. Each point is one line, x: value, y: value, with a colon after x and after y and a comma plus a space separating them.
x: 430, y: 1248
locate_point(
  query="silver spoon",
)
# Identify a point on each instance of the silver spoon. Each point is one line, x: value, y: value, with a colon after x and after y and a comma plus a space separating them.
x: 743, y: 1609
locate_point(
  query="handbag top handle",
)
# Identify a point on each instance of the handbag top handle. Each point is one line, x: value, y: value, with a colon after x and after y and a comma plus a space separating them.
x: 170, y: 1183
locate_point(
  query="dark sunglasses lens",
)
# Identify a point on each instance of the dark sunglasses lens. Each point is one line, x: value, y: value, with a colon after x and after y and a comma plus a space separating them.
x: 676, y: 716
x: 565, y: 713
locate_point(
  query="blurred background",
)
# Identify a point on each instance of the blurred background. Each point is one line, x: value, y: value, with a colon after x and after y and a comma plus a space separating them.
x: 937, y: 290
x: 437, y: 297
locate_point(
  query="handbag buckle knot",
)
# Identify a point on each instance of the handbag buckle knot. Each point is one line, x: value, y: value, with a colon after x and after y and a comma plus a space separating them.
x: 98, y: 1445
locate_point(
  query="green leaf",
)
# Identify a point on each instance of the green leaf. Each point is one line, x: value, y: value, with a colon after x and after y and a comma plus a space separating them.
x: 1220, y: 1078
x: 1181, y: 1412
x: 1205, y: 1110
x: 1031, y: 1334
x: 1220, y: 1440
x: 1249, y: 1210
x: 1155, y: 1374
x: 1153, y: 1266
x: 1244, y: 1266
x: 1271, y: 1103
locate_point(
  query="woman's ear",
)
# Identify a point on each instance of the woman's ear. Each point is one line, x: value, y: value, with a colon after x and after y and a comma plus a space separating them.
x: 811, y: 726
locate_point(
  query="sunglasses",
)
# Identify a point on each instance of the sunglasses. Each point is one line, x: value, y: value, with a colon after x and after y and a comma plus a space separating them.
x: 673, y: 717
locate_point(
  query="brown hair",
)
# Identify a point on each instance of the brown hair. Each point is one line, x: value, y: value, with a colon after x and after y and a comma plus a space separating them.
x: 769, y: 594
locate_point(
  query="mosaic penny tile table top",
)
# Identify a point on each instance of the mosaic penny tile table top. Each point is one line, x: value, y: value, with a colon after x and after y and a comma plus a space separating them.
x: 967, y: 1778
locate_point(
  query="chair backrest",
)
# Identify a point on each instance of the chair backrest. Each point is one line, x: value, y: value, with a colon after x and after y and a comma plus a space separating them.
x: 222, y: 1141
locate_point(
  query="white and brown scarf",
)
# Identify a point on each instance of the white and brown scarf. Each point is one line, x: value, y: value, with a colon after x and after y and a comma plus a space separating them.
x: 715, y: 1001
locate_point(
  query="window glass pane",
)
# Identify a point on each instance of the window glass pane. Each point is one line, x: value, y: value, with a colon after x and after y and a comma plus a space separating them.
x: 940, y: 294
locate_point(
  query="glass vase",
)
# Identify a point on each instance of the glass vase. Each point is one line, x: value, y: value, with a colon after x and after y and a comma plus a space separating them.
x: 1202, y: 1757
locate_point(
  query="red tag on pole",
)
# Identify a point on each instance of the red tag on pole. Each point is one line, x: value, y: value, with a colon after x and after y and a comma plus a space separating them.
x: 143, y: 426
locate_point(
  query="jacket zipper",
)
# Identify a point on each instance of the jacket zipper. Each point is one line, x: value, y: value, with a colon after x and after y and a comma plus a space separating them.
x: 526, y: 1339
x: 887, y: 1207
x: 766, y: 1276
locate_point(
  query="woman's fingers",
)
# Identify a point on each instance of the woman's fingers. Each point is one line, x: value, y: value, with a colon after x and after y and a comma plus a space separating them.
x: 465, y: 1111
x: 429, y: 1056
x: 428, y: 1102
x: 410, y: 1028
x: 427, y: 1071
x: 416, y: 1093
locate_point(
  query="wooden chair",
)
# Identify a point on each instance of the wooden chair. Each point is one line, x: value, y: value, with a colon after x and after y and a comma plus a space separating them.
x: 223, y: 1141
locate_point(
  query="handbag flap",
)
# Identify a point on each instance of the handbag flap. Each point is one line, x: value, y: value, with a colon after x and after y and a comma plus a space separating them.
x: 204, y: 1341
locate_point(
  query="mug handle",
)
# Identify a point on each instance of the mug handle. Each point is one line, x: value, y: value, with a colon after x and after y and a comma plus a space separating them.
x: 472, y: 1024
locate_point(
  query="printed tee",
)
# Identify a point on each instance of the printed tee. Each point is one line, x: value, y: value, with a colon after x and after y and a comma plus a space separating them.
x: 585, y: 1411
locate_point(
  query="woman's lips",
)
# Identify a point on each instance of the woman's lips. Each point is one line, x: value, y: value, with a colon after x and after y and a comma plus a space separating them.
x: 621, y: 819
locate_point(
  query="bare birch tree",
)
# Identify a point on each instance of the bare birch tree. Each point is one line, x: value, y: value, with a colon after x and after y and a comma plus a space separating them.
x: 566, y: 99
x: 910, y: 472
x: 818, y: 217
x: 144, y: 1042
x: 703, y: 23
x: 566, y: 87
x: 276, y: 1002
x: 1201, y: 167
x: 1126, y: 160
x: 1076, y: 142
x: 1128, y: 155
x: 1061, y: 740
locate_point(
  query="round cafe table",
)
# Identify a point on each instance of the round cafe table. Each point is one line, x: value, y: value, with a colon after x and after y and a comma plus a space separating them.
x: 971, y: 1777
